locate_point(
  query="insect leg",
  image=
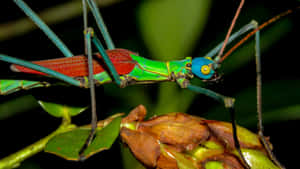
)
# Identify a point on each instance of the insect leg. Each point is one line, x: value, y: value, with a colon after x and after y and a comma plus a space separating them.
x: 100, y: 23
x: 51, y: 35
x: 85, y: 24
x: 229, y: 104
x: 106, y: 59
x: 107, y: 38
x: 89, y: 33
x: 39, y: 68
x: 259, y: 100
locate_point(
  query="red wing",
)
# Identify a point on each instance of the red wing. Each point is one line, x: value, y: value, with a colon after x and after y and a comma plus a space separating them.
x: 78, y: 65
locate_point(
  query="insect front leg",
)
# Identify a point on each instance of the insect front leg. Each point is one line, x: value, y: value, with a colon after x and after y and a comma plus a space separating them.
x: 108, y: 40
x: 229, y: 105
x: 89, y: 38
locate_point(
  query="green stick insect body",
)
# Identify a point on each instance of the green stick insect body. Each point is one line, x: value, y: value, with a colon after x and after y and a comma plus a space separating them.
x: 138, y: 70
x: 143, y: 71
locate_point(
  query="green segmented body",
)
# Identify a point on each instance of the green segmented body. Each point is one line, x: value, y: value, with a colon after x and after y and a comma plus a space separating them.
x: 11, y: 86
x: 145, y: 71
x: 148, y: 71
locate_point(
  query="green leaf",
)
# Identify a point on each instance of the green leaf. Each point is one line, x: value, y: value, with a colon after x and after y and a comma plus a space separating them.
x: 214, y: 165
x: 104, y: 138
x: 61, y: 110
x: 257, y: 159
x: 67, y: 145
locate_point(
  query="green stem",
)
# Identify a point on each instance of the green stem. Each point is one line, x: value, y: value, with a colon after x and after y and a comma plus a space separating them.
x: 14, y: 160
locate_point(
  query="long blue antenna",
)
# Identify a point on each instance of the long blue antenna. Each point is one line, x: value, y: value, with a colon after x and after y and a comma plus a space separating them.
x: 37, y: 20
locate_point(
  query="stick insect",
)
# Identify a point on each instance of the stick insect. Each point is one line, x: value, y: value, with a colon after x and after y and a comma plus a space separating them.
x: 179, y: 71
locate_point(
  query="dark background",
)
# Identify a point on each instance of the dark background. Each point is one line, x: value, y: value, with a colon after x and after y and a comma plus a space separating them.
x: 24, y: 122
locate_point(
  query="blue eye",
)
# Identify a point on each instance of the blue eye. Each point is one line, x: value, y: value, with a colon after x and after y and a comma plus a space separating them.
x: 203, y: 67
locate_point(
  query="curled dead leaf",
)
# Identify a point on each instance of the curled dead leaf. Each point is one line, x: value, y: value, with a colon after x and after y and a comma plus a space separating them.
x: 144, y: 146
x: 179, y: 141
x: 178, y: 130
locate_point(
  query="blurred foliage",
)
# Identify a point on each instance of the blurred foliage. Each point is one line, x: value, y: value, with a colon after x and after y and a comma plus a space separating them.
x: 165, y: 30
x: 12, y: 107
x: 54, y: 15
x: 275, y: 109
x: 169, y: 35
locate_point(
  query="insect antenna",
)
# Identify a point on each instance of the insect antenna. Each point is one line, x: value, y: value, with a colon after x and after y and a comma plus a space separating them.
x: 231, y: 109
x: 260, y: 27
x: 237, y: 13
x: 258, y: 78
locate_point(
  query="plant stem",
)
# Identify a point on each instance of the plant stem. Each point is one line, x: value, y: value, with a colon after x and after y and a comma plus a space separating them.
x: 15, y: 159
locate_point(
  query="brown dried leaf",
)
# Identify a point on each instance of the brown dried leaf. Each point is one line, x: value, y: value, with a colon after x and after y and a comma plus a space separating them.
x: 166, y: 163
x: 223, y: 131
x: 179, y: 130
x: 144, y: 146
x: 137, y: 114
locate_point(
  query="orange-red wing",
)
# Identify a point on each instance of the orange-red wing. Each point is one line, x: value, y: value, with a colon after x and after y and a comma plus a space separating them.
x: 78, y: 65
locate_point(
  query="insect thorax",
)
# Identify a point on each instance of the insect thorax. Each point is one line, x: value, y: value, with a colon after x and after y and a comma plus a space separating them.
x: 151, y: 71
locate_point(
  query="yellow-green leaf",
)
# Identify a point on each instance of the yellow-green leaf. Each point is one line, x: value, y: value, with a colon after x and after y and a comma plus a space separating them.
x: 257, y: 159
x: 60, y: 110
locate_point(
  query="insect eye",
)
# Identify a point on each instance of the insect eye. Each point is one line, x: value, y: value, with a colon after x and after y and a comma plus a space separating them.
x: 205, y: 69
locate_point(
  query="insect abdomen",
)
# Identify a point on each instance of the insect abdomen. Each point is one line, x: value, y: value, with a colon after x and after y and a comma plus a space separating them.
x: 77, y: 66
x: 10, y: 86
